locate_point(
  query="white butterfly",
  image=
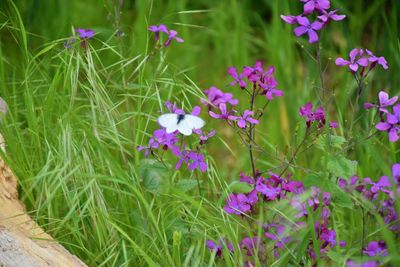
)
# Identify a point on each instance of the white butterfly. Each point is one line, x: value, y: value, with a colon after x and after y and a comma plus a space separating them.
x: 184, y: 123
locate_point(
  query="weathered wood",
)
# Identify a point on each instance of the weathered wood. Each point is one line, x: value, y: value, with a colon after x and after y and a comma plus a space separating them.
x: 22, y: 242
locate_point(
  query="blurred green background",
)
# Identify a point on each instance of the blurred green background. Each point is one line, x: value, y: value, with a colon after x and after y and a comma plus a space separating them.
x: 75, y: 118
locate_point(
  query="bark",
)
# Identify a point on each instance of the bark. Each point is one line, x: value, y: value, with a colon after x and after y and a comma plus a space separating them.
x: 22, y: 242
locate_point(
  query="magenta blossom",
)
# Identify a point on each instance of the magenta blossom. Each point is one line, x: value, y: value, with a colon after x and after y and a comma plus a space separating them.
x: 331, y: 15
x: 246, y: 118
x: 172, y: 35
x: 356, y: 60
x: 237, y: 78
x: 237, y: 204
x: 376, y: 248
x: 384, y: 102
x: 217, y: 247
x: 317, y: 115
x: 268, y: 83
x: 197, y: 161
x: 319, y: 5
x: 216, y: 96
x: 377, y: 60
x: 225, y: 114
x: 173, y: 108
x: 251, y: 244
x: 309, y: 28
x: 289, y: 19
x: 392, y: 124
x: 157, y: 29
x: 204, y: 136
x: 161, y: 139
x: 351, y: 263
x: 85, y: 33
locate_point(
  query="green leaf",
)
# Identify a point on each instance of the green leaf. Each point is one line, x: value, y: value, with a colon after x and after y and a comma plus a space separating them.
x: 317, y: 179
x: 185, y: 185
x: 335, y: 257
x: 339, y: 197
x: 342, y: 167
x: 240, y: 187
x: 335, y: 141
x: 153, y: 174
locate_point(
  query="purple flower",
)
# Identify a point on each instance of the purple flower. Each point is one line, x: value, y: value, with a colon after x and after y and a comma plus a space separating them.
x: 157, y: 29
x: 197, y: 161
x: 380, y: 185
x: 331, y: 15
x: 242, y: 120
x: 396, y: 172
x: 355, y: 61
x: 172, y: 35
x: 251, y: 244
x: 173, y: 108
x: 376, y: 248
x: 253, y: 197
x: 329, y: 238
x: 183, y: 156
x: 217, y: 247
x: 268, y: 83
x: 269, y: 191
x: 232, y: 71
x: 351, y: 263
x: 311, y: 5
x: 246, y: 179
x: 237, y: 204
x: 385, y: 101
x: 309, y: 28
x: 204, y: 136
x: 276, y: 232
x: 392, y: 124
x: 225, y: 115
x: 68, y: 44
x: 317, y: 115
x: 333, y: 124
x: 85, y: 33
x: 163, y: 139
x: 377, y: 60
x: 216, y: 96
x: 289, y: 19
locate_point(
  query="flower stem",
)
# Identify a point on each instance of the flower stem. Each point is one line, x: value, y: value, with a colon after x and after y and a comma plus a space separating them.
x: 252, y: 134
x: 321, y: 75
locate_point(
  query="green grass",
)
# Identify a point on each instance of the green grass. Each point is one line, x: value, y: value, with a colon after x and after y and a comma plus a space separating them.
x: 76, y: 117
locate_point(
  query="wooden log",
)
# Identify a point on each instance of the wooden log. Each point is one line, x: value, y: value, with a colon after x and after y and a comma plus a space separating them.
x: 23, y: 243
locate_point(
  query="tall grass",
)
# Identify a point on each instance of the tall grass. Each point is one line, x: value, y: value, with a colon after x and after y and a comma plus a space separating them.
x: 77, y: 115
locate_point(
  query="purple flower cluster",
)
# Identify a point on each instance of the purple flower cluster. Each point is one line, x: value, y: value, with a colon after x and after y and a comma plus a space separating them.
x: 194, y: 159
x: 362, y: 60
x: 317, y: 201
x: 221, y: 105
x: 276, y: 188
x: 83, y: 34
x: 389, y: 121
x: 268, y: 189
x: 317, y: 10
x: 385, y: 187
x: 263, y: 81
x: 374, y: 249
x: 317, y: 116
x: 171, y: 34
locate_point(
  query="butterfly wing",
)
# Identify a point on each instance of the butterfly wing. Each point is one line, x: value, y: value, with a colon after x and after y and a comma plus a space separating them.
x: 169, y: 121
x: 194, y: 121
x: 185, y: 127
x: 189, y: 123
